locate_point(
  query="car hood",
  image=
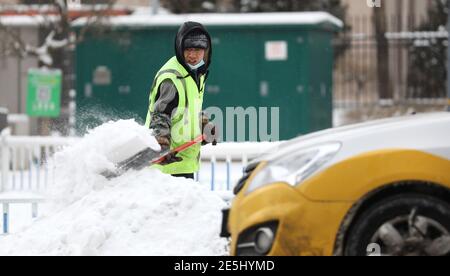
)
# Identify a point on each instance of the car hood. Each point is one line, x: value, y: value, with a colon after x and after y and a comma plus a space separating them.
x: 425, y: 132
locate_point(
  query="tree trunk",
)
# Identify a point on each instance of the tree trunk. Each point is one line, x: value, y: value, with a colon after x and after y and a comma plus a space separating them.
x: 384, y: 87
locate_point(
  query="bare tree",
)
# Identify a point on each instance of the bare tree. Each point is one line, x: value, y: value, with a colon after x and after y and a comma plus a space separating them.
x: 57, y: 22
x: 60, y: 39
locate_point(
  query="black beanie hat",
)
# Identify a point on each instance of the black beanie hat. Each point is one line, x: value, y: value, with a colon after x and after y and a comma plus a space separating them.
x: 195, y: 39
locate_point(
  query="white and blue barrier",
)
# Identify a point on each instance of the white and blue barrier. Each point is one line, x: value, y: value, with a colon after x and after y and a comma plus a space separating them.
x: 24, y: 167
x: 223, y: 164
x: 23, y: 161
x: 6, y: 202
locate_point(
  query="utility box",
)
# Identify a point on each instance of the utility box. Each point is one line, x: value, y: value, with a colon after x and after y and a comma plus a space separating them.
x: 278, y: 65
x: 3, y: 118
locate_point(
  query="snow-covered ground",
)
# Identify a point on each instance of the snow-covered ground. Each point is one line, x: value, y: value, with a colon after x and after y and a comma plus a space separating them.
x: 139, y: 213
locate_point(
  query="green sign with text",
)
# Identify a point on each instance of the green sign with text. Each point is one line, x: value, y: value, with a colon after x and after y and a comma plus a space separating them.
x: 44, y: 93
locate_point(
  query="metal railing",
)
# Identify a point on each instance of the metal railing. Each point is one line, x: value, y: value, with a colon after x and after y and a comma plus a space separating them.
x: 414, y: 66
x: 223, y: 164
x: 25, y: 170
x: 22, y: 199
x: 24, y: 165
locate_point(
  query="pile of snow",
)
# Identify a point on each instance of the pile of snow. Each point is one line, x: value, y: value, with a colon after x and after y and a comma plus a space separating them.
x: 139, y: 213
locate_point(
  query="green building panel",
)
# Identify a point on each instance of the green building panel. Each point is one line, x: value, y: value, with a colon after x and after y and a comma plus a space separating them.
x: 282, y: 61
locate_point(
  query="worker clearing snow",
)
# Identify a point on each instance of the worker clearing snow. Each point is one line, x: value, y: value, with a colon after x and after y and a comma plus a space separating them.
x: 176, y: 99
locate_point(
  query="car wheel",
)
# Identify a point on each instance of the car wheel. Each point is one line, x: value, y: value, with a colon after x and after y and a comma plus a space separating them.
x: 405, y: 225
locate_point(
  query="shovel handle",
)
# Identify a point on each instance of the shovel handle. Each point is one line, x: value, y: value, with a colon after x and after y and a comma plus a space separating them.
x: 197, y: 140
x: 181, y: 148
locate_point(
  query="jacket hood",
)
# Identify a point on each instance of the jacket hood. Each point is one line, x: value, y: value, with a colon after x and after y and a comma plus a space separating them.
x: 185, y: 29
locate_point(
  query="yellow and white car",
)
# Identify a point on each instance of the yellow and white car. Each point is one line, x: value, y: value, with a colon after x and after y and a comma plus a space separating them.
x: 378, y: 188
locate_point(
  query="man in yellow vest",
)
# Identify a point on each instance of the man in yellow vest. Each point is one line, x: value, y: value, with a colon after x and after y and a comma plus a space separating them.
x: 176, y: 99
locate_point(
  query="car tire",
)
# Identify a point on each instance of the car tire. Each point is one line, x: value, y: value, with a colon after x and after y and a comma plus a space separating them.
x: 409, y: 224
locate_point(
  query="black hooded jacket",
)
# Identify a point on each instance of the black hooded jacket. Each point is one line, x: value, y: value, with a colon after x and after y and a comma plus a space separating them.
x: 185, y: 29
x: 167, y: 95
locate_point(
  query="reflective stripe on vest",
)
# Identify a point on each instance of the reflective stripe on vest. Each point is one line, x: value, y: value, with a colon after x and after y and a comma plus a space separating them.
x: 179, y: 76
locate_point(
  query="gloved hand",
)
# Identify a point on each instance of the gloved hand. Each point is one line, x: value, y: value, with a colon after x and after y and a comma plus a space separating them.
x: 209, y: 130
x: 164, y: 142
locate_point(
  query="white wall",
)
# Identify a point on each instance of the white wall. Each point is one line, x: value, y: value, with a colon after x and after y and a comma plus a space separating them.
x: 8, y: 2
x: 13, y: 75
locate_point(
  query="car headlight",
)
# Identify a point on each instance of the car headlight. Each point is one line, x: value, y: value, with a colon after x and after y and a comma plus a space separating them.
x: 294, y: 165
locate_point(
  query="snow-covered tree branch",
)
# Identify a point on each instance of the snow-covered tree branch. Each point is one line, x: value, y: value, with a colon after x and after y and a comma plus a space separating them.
x: 56, y: 19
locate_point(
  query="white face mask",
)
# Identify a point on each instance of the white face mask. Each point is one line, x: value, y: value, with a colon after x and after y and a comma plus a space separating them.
x: 195, y: 67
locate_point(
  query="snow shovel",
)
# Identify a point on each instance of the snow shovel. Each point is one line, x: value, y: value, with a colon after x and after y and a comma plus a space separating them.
x: 148, y: 157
